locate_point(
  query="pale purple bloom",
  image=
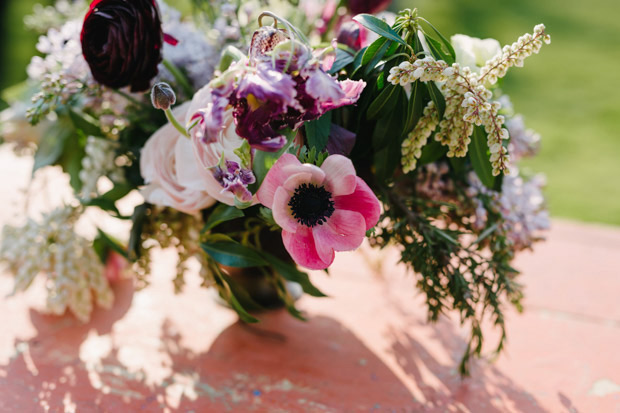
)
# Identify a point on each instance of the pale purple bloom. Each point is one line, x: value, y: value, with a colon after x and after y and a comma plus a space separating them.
x: 235, y: 179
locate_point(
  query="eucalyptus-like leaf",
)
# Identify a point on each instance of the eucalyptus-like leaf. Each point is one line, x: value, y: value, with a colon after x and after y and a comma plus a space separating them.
x: 380, y: 27
x: 233, y: 254
x: 221, y: 213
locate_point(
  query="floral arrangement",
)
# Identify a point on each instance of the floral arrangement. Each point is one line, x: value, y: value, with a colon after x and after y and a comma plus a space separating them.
x: 270, y: 141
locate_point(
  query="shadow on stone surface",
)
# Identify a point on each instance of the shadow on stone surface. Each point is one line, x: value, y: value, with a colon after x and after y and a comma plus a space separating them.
x: 279, y: 365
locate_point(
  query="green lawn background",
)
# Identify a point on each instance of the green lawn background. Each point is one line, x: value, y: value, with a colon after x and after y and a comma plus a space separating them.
x: 569, y: 93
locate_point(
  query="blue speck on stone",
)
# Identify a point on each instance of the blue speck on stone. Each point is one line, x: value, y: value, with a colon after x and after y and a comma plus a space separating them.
x: 256, y: 393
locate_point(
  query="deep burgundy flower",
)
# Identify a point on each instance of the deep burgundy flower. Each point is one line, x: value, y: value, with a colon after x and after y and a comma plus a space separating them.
x: 122, y: 42
x: 352, y: 34
x: 368, y: 6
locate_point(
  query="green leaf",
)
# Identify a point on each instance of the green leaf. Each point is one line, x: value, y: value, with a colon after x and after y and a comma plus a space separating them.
x: 85, y: 123
x: 112, y: 243
x: 107, y: 201
x: 357, y: 60
x: 380, y: 27
x: 386, y: 160
x: 244, y: 315
x: 391, y: 128
x: 445, y: 41
x: 138, y: 219
x: 291, y: 273
x: 233, y: 254
x: 373, y: 50
x: 233, y: 290
x: 478, y: 153
x: 437, y: 51
x: 220, y: 214
x: 343, y: 59
x: 103, y: 203
x: 432, y: 152
x: 374, y: 59
x: 415, y: 106
x: 382, y: 103
x: 317, y: 131
x: 71, y: 160
x: 263, y: 161
x: 437, y: 96
x: 117, y: 192
x: 51, y: 147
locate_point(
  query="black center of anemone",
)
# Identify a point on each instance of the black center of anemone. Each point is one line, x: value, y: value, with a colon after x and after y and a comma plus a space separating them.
x: 311, y: 205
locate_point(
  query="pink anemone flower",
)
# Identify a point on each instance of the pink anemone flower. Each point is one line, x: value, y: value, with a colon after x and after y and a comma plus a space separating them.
x: 321, y: 210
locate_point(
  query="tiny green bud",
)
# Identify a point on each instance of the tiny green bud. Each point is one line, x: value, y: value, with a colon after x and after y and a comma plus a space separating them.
x: 162, y: 96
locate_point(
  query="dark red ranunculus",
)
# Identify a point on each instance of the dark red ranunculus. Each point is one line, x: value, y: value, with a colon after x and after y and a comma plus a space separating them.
x: 122, y: 42
x: 367, y: 6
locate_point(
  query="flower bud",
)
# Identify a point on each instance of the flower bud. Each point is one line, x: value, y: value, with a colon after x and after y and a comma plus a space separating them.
x: 264, y: 40
x: 162, y: 96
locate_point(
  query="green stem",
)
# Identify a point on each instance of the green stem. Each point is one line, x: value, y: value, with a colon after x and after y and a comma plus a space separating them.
x: 175, y: 122
x: 179, y: 77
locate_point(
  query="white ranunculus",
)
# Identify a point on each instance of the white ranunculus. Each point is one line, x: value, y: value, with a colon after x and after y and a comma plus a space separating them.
x: 169, y: 169
x: 473, y: 52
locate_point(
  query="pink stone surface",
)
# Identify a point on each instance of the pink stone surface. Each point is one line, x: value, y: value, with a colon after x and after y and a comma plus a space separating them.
x: 367, y: 347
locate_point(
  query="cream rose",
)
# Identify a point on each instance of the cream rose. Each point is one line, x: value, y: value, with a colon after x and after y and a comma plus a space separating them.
x: 170, y: 170
x: 473, y: 52
x: 208, y: 155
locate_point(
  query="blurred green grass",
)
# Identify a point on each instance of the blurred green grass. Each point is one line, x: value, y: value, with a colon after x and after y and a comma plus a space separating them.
x: 568, y: 93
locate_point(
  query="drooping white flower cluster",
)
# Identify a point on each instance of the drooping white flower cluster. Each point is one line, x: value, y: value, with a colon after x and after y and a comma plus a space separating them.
x: 468, y: 101
x: 417, y: 138
x: 51, y: 247
x: 521, y: 204
x: 426, y: 70
x: 100, y: 160
x: 515, y: 54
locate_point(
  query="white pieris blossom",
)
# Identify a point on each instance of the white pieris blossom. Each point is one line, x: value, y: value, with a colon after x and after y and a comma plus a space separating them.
x: 468, y: 100
x: 74, y: 274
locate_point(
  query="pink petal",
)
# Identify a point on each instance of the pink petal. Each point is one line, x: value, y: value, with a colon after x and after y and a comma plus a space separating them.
x: 343, y: 231
x: 352, y: 90
x: 306, y: 173
x: 300, y: 246
x: 282, y: 211
x: 275, y: 178
x: 363, y: 200
x: 340, y: 175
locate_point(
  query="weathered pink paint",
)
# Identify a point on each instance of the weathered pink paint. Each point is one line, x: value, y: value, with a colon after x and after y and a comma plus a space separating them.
x: 366, y: 348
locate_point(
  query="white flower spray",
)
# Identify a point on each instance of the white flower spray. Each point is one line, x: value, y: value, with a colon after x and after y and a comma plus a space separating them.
x: 468, y: 101
x: 74, y: 273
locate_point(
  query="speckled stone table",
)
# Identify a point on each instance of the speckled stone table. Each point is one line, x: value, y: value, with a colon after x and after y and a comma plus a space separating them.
x: 365, y: 348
